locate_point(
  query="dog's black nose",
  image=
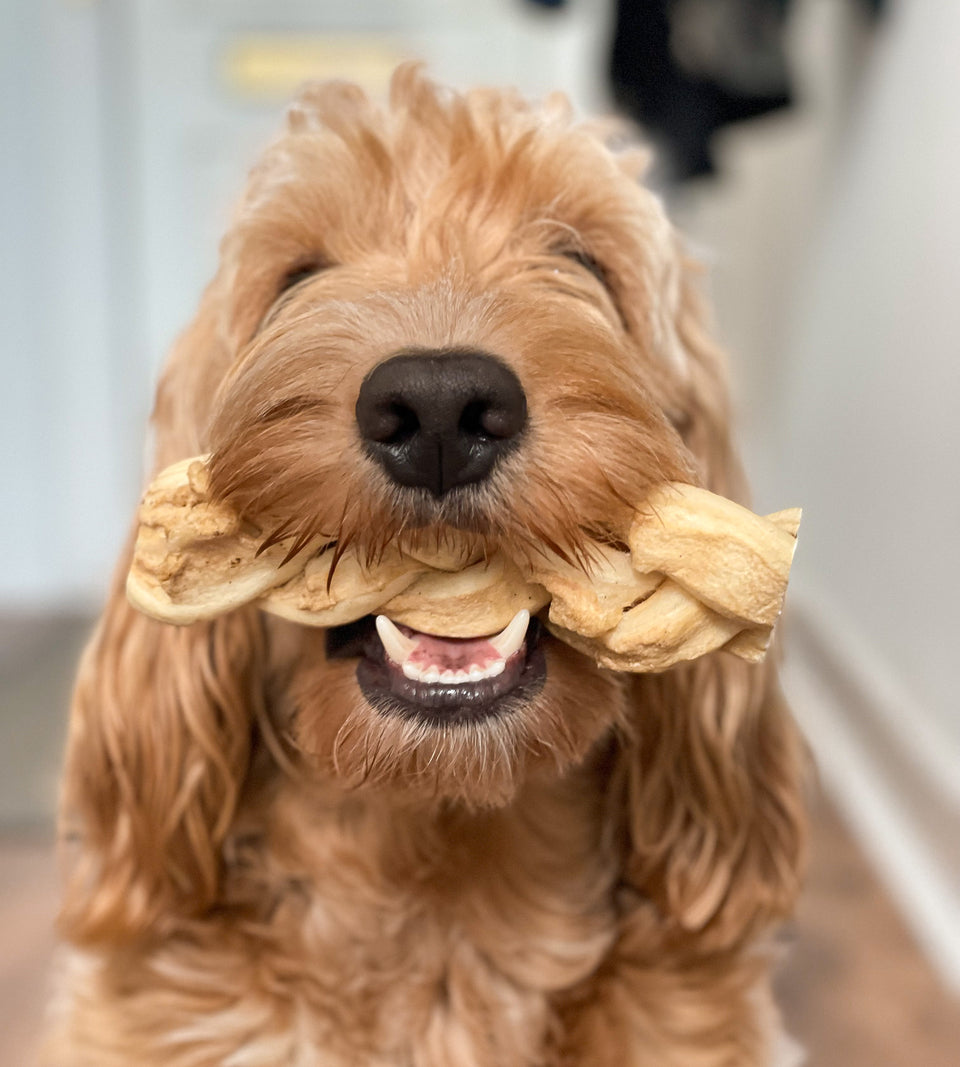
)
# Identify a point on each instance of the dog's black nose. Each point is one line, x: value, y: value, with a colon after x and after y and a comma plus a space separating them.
x: 440, y: 419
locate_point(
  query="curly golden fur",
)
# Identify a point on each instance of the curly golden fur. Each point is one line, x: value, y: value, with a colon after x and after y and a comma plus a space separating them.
x: 264, y: 870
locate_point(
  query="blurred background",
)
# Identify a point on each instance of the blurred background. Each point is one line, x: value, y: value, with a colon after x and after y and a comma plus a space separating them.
x: 810, y: 149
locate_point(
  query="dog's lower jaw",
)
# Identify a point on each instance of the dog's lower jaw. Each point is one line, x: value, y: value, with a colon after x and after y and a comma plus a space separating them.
x: 543, y: 729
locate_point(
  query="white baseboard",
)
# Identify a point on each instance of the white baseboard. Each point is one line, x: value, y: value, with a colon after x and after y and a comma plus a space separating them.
x: 895, y: 779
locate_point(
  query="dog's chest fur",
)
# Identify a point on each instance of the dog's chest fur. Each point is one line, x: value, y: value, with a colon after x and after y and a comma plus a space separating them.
x: 441, y: 939
x: 378, y: 936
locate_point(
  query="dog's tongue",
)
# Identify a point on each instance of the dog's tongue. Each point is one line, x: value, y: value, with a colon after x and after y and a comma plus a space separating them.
x: 450, y: 653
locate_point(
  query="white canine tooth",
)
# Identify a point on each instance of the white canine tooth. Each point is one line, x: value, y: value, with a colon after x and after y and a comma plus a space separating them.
x: 397, y: 645
x: 412, y: 671
x: 509, y: 640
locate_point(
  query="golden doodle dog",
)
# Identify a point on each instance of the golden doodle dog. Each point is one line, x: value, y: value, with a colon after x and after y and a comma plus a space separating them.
x: 459, y: 314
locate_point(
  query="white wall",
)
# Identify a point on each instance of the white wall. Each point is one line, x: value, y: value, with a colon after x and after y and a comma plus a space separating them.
x: 869, y: 438
x: 870, y: 434
x: 61, y: 482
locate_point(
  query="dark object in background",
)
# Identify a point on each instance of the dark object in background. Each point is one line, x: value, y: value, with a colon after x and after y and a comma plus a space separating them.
x: 684, y: 68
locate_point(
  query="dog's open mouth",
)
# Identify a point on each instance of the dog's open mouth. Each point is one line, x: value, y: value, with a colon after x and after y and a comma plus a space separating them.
x: 442, y: 680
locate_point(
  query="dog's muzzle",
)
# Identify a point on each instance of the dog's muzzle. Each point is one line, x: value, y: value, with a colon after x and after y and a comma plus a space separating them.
x: 438, y: 420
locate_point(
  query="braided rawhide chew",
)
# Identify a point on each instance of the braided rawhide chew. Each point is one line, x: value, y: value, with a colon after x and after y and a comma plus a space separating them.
x: 701, y: 573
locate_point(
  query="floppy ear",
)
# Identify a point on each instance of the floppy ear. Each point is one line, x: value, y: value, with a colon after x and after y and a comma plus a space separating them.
x: 160, y: 724
x: 711, y: 774
x: 711, y: 780
x: 158, y: 749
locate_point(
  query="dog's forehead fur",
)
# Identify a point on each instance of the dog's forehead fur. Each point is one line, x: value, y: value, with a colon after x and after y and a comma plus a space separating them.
x: 439, y: 181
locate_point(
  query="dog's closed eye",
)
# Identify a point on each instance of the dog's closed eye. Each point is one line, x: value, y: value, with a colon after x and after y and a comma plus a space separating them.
x: 294, y: 277
x: 301, y: 272
x: 589, y: 264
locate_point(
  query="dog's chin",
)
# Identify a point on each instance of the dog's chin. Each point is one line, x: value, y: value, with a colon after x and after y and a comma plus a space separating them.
x: 365, y: 724
x: 365, y: 727
x: 454, y: 682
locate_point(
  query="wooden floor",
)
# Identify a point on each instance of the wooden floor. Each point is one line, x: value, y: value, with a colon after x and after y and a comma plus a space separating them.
x: 28, y: 900
x: 855, y: 990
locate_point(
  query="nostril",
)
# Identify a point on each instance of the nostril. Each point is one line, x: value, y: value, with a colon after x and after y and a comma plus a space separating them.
x: 473, y: 419
x: 489, y: 419
x: 504, y: 420
x: 391, y: 424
